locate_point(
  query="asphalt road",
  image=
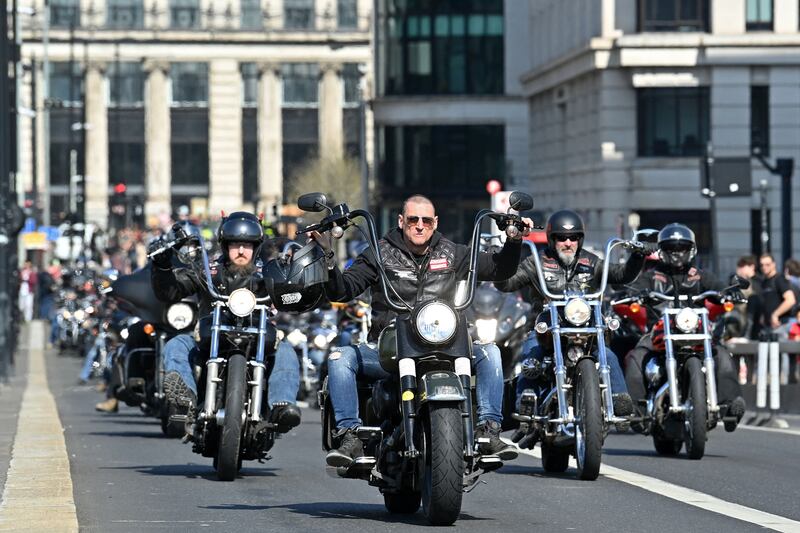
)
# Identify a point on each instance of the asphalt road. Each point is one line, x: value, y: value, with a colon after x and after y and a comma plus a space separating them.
x: 128, y: 477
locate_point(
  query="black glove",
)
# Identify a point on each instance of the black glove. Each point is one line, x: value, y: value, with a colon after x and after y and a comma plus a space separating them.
x: 650, y: 248
x: 178, y: 234
x: 162, y: 259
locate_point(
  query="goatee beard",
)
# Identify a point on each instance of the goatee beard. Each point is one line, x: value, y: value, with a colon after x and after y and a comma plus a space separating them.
x: 242, y: 270
x: 566, y: 259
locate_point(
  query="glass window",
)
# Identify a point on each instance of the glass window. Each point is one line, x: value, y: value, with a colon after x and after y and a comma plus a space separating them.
x: 66, y: 83
x: 249, y: 84
x: 347, y: 13
x: 298, y: 14
x: 125, y: 14
x: 65, y: 13
x: 126, y: 84
x: 250, y: 155
x: 300, y: 140
x: 64, y: 139
x: 673, y: 15
x: 759, y: 15
x: 126, y: 146
x: 250, y: 15
x: 184, y: 14
x: 759, y: 118
x: 189, y: 83
x: 351, y: 78
x: 300, y: 83
x: 446, y: 47
x: 673, y: 122
x: 189, y: 145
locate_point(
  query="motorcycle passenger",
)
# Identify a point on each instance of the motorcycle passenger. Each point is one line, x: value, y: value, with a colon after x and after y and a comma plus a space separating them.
x: 422, y: 265
x: 676, y: 271
x: 240, y: 235
x: 567, y: 266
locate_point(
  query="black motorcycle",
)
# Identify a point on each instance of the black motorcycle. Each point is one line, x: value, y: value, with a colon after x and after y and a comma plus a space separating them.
x: 419, y: 439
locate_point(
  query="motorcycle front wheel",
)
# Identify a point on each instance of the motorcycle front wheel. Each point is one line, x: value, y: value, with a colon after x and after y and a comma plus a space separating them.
x: 443, y: 447
x: 588, y: 420
x: 696, y: 413
x: 230, y: 439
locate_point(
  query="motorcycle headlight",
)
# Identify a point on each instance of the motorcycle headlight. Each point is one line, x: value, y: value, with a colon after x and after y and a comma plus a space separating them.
x: 180, y: 315
x: 296, y: 337
x: 486, y: 329
x: 521, y: 322
x: 66, y: 314
x: 436, y: 323
x: 80, y: 315
x: 686, y: 320
x: 577, y: 312
x: 124, y: 333
x: 320, y: 341
x: 241, y: 302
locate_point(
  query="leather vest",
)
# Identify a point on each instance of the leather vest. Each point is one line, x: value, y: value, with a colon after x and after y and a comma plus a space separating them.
x: 580, y: 277
x: 688, y: 282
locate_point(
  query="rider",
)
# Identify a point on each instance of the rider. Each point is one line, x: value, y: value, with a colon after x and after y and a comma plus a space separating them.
x: 675, y: 269
x: 567, y: 266
x: 240, y: 236
x: 421, y: 264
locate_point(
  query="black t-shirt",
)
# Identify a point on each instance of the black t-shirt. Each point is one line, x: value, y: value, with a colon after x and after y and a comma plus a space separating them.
x: 772, y: 290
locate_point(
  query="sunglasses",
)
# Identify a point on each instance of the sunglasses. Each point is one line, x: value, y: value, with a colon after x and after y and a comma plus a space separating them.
x: 414, y: 220
x: 564, y: 238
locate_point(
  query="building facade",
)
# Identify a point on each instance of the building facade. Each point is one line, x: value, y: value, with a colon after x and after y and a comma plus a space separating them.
x: 625, y: 95
x: 449, y: 110
x: 204, y: 103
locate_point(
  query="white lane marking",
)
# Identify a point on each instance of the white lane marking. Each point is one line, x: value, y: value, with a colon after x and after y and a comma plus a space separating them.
x: 690, y: 497
x: 38, y: 491
x: 795, y: 432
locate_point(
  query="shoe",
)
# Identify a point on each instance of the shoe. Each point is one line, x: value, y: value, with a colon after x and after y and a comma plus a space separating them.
x: 286, y: 415
x: 178, y: 393
x: 109, y: 406
x: 623, y: 404
x: 736, y: 408
x: 489, y: 429
x: 101, y: 386
x: 350, y: 449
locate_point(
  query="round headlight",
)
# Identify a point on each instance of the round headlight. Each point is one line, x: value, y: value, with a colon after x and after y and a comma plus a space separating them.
x: 66, y: 314
x: 80, y: 315
x: 180, y: 315
x: 241, y: 302
x: 486, y: 329
x: 296, y: 337
x: 686, y: 320
x: 320, y: 341
x: 577, y: 312
x: 436, y: 323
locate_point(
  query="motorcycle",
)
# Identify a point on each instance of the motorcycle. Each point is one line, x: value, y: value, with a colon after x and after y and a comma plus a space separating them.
x: 681, y: 403
x: 419, y: 441
x: 574, y: 415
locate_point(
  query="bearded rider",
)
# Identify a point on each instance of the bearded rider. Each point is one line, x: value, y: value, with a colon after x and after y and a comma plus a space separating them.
x: 421, y: 265
x: 240, y: 236
x: 676, y: 271
x: 568, y: 267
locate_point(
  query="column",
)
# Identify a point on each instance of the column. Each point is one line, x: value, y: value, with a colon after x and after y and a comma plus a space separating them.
x: 270, y: 138
x: 784, y: 16
x: 331, y: 129
x: 224, y: 136
x: 728, y: 17
x: 157, y: 140
x: 96, y: 174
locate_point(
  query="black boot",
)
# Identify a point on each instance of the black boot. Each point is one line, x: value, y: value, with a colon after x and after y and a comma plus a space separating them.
x: 350, y: 449
x: 623, y: 404
x: 490, y: 430
x: 736, y: 408
x: 286, y: 415
x: 178, y: 393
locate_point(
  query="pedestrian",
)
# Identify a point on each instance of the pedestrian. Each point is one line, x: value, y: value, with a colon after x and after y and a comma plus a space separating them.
x: 777, y: 298
x: 46, y: 284
x: 27, y: 290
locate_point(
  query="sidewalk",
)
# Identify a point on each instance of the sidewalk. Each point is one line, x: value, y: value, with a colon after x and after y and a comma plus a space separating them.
x: 10, y: 400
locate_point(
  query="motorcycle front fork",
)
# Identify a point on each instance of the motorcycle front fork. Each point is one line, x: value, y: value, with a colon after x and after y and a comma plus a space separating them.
x: 675, y: 405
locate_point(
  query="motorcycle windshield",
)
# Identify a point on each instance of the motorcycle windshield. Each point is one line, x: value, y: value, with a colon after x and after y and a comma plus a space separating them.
x: 487, y: 301
x: 136, y: 296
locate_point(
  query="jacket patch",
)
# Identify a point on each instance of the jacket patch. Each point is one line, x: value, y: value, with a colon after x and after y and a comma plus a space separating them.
x: 438, y: 264
x: 584, y: 261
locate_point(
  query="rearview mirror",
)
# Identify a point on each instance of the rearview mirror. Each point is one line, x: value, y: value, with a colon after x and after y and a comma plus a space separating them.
x: 743, y: 283
x: 313, y: 202
x: 646, y: 235
x: 520, y: 201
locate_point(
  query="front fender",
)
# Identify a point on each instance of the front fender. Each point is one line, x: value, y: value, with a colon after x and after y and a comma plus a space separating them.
x: 440, y: 386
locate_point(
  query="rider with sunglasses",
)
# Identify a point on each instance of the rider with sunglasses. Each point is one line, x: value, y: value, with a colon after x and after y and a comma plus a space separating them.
x: 567, y: 266
x: 421, y: 265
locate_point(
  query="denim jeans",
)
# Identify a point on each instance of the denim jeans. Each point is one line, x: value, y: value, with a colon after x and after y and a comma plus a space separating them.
x: 347, y: 363
x: 538, y: 385
x: 181, y: 354
x: 88, y: 360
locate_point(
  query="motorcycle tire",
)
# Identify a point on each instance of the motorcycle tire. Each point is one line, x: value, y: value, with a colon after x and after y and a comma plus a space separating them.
x: 666, y: 446
x: 402, y: 502
x: 696, y: 414
x: 443, y: 434
x: 555, y: 460
x: 230, y: 438
x: 589, y: 420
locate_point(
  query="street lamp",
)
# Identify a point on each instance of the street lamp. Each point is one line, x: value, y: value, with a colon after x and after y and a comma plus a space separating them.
x: 783, y: 167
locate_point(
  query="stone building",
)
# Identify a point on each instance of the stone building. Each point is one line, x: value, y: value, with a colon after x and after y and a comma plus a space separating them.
x: 623, y: 96
x: 211, y: 104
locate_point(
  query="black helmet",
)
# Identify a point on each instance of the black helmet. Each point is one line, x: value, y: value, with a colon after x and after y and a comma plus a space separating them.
x: 564, y: 222
x: 298, y: 284
x: 677, y: 245
x: 240, y: 226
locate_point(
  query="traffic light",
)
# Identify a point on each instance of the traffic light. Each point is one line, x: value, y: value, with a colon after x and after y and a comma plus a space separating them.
x: 119, y: 200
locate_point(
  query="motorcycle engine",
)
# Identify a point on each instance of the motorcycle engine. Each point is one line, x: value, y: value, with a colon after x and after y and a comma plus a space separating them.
x: 384, y: 400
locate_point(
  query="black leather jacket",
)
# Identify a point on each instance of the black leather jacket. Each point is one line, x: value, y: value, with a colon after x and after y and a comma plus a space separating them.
x: 585, y: 274
x: 416, y: 279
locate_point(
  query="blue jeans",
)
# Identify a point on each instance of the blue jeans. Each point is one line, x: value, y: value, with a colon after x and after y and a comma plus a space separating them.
x: 181, y: 354
x: 88, y: 360
x: 539, y: 385
x: 347, y: 363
